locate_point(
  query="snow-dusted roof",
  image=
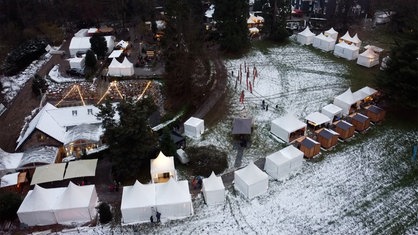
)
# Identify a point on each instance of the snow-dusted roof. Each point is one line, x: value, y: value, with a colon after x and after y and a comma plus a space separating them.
x: 123, y: 44
x: 347, y: 97
x: 115, y: 54
x: 251, y: 174
x: 9, y: 180
x: 374, y: 48
x: 9, y: 161
x: 332, y: 108
x: 289, y: 123
x: 91, y: 132
x: 210, y: 11
x: 213, y: 183
x: 193, y: 121
x: 43, y: 155
x: 144, y: 192
x: 318, y: 118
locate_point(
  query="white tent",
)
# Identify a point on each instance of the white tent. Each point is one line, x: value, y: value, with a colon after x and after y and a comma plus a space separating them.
x: 114, y: 68
x: 346, y: 38
x: 127, y: 68
x: 349, y: 52
x: 332, y: 111
x: 251, y: 181
x: 82, y: 44
x: 345, y: 101
x: 317, y: 119
x: 283, y: 127
x: 194, y: 127
x: 213, y: 190
x: 173, y: 199
x: 363, y: 93
x: 305, y: 37
x: 356, y: 41
x: 77, y: 62
x: 368, y: 58
x: 162, y: 167
x: 38, y: 206
x: 331, y: 33
x: 115, y: 54
x: 324, y: 43
x: 76, y: 204
x: 137, y: 202
x: 281, y: 164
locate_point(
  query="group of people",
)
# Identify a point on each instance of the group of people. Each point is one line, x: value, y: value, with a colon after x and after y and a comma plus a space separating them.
x: 157, y: 216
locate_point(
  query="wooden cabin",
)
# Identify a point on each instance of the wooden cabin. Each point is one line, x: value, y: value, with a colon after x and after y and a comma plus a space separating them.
x: 376, y: 114
x: 360, y: 121
x: 327, y: 138
x: 345, y: 129
x: 309, y: 147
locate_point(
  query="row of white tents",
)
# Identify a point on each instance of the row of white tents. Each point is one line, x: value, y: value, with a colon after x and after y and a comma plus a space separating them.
x: 73, y: 204
x: 347, y: 47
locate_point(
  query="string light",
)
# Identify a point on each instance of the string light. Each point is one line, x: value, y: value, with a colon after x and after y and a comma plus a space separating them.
x: 112, y: 84
x: 140, y: 97
x: 75, y: 87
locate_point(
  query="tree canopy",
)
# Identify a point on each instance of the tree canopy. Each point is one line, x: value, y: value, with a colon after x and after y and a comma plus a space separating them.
x: 131, y: 141
x: 39, y: 85
x: 275, y: 13
x: 99, y: 45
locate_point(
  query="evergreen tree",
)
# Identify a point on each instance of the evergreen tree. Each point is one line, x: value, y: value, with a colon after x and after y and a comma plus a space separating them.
x: 39, y: 85
x: 131, y: 141
x: 90, y: 63
x: 167, y: 145
x: 231, y: 21
x: 9, y: 204
x: 399, y: 80
x: 99, y: 46
x: 275, y: 13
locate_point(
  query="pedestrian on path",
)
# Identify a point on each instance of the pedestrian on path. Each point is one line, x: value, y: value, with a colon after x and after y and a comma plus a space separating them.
x: 158, y: 215
x: 267, y: 107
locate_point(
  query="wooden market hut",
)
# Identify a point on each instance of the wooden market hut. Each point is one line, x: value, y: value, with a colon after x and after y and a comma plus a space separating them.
x: 360, y: 121
x: 309, y: 147
x: 345, y: 129
x: 327, y: 138
x: 375, y: 113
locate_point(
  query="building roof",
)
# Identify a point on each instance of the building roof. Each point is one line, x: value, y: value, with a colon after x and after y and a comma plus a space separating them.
x: 327, y: 134
x: 343, y: 125
x: 360, y: 117
x: 374, y: 109
x: 309, y: 143
x: 317, y: 118
x: 90, y: 132
x: 40, y: 155
x: 242, y: 126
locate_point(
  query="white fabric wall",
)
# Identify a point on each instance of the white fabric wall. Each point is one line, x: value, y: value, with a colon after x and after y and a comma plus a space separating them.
x: 194, y: 127
x: 35, y: 218
x: 279, y: 132
x: 367, y: 62
x: 214, y: 197
x: 277, y: 168
x: 343, y: 105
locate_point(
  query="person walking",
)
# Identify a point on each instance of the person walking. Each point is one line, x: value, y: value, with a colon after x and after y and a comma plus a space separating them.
x: 151, y: 219
x: 158, y: 215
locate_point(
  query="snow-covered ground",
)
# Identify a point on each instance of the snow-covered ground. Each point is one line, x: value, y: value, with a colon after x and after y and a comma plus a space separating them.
x: 365, y: 186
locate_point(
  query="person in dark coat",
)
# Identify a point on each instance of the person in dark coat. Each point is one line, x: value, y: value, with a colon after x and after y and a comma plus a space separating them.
x: 151, y: 219
x: 158, y: 215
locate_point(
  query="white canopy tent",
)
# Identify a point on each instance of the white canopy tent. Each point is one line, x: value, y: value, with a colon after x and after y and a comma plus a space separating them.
x: 356, y: 41
x: 127, y: 68
x: 331, y: 33
x: 82, y: 44
x: 77, y: 62
x: 332, y: 111
x: 162, y: 167
x: 114, y: 68
x: 251, y: 181
x: 38, y: 206
x: 324, y: 43
x: 283, y: 127
x: 317, y: 119
x: 305, y: 37
x: 76, y: 204
x: 281, y: 164
x: 137, y: 202
x: 346, y: 38
x: 213, y: 190
x: 368, y: 58
x: 345, y: 101
x: 349, y: 52
x: 194, y: 127
x: 173, y: 199
x: 363, y: 93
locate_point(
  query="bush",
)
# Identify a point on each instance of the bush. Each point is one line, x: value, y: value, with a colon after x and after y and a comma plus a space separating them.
x: 9, y: 204
x: 105, y: 215
x: 204, y: 160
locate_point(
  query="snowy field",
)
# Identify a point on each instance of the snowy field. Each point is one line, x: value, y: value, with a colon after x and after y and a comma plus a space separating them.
x: 365, y: 186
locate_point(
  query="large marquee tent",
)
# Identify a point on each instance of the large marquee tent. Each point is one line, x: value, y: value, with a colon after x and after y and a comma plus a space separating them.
x: 173, y: 199
x: 137, y: 202
x: 282, y: 163
x: 251, y: 181
x: 288, y: 128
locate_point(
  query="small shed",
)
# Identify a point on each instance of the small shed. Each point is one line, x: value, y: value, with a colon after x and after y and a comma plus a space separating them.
x: 194, y: 127
x: 251, y: 181
x: 368, y: 58
x: 213, y: 190
x: 162, y: 168
x: 309, y: 147
x: 332, y: 111
x: 305, y: 37
x: 242, y: 126
x: 375, y: 113
x: 282, y: 163
x: 317, y: 120
x: 360, y: 121
x: 327, y: 138
x: 288, y: 128
x: 344, y: 129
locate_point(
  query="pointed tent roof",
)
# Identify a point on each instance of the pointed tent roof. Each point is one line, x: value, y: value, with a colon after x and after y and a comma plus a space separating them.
x: 162, y: 164
x: 321, y: 36
x: 115, y: 63
x: 347, y: 97
x: 342, y: 44
x: 355, y: 39
x: 330, y: 31
x: 126, y: 63
x: 40, y: 199
x: 213, y: 183
x: 138, y: 195
x: 347, y: 37
x: 363, y: 93
x: 306, y: 32
x: 369, y: 53
x: 75, y: 196
x: 251, y: 173
x: 172, y: 192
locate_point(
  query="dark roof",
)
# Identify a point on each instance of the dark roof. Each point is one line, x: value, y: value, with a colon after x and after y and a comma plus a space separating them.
x: 326, y: 134
x: 242, y: 126
x: 308, y: 143
x: 176, y: 137
x: 344, y: 125
x: 360, y: 117
x: 375, y: 109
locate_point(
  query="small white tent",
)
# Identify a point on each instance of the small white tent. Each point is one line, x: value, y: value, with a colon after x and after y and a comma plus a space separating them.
x: 114, y: 68
x: 251, y: 181
x: 349, y: 52
x: 345, y: 101
x: 332, y: 111
x: 137, y: 202
x: 362, y: 94
x: 194, y: 127
x: 38, y: 206
x: 162, y: 168
x: 324, y: 43
x: 281, y: 164
x: 213, y: 190
x: 127, y: 68
x: 288, y: 127
x: 173, y: 199
x: 76, y: 204
x: 346, y: 38
x: 331, y: 33
x: 77, y: 62
x: 356, y: 41
x: 296, y: 157
x: 368, y: 58
x: 305, y: 37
